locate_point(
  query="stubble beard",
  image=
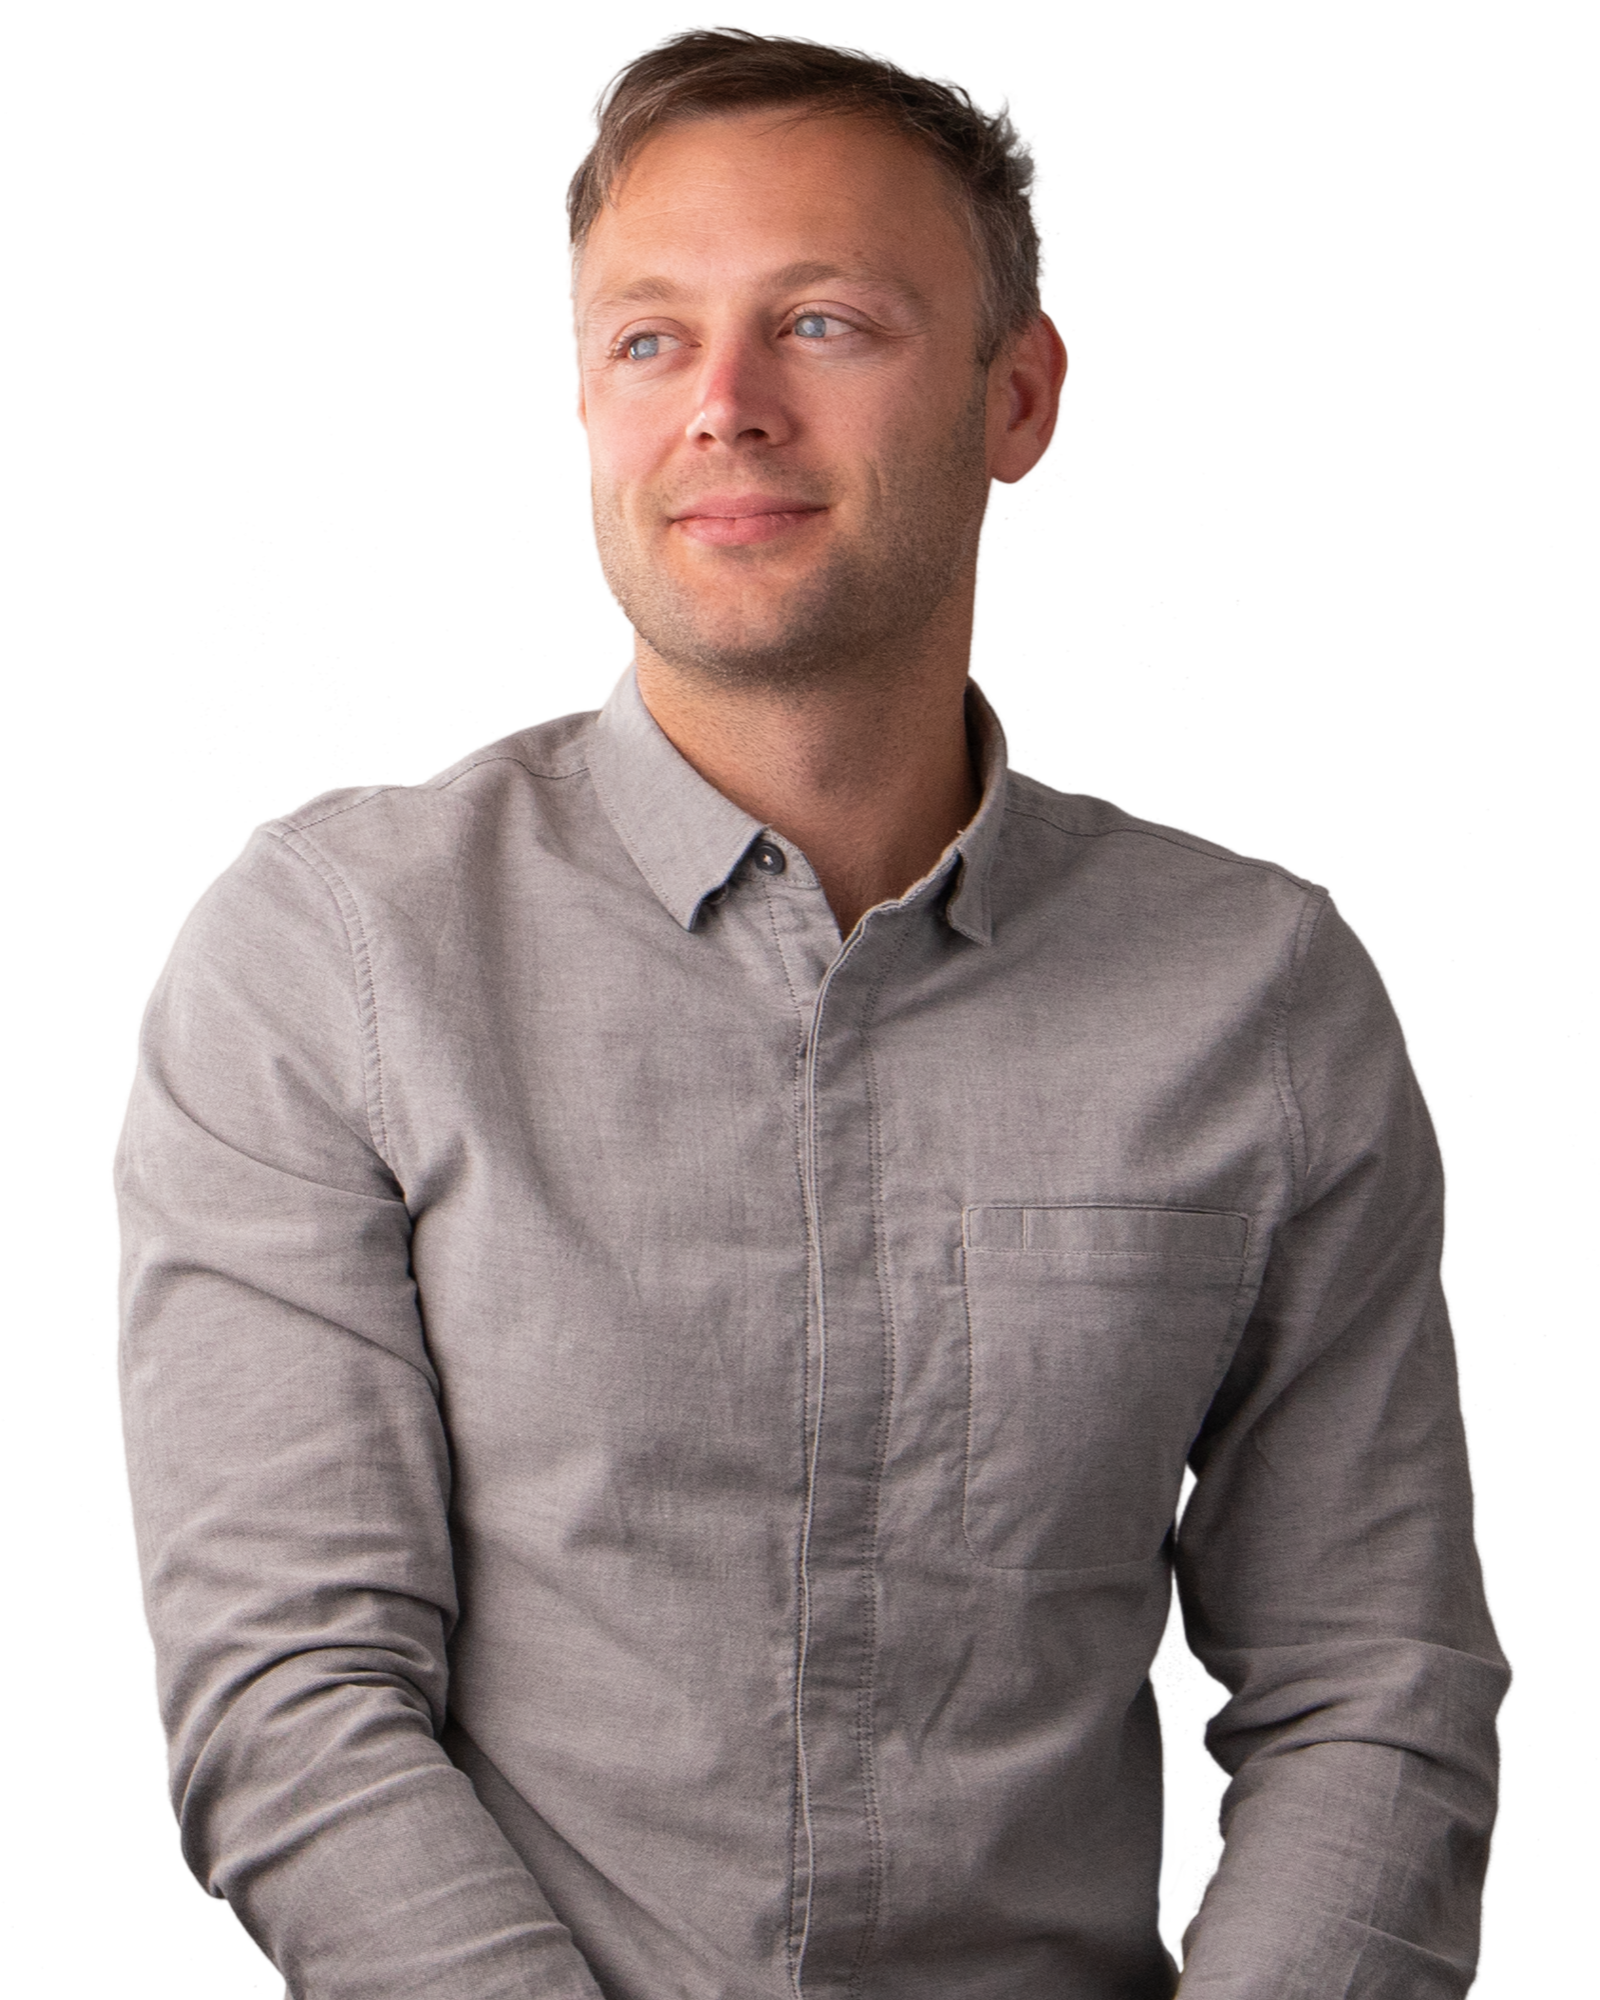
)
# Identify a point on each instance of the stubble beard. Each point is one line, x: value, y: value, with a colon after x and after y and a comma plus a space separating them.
x: 859, y: 615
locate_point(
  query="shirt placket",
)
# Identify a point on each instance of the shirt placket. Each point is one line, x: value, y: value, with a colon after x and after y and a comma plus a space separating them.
x: 839, y: 1851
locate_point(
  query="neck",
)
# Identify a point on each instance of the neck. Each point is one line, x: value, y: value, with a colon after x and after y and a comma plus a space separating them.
x: 871, y: 779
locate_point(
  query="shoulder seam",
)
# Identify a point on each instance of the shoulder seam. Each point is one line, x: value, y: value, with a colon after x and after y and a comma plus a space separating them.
x: 311, y: 856
x: 1181, y: 837
x: 1299, y: 1145
x: 501, y: 757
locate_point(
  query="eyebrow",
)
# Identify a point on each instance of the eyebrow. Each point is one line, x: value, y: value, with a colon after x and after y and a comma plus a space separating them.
x: 662, y: 290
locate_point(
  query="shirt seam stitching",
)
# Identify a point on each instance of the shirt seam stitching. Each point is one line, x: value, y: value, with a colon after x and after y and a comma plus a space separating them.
x: 344, y: 901
x: 1179, y: 839
x: 1311, y: 914
x: 868, y: 1685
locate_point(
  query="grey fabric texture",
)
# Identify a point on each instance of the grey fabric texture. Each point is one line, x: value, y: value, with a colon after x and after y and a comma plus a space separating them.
x: 655, y: 1434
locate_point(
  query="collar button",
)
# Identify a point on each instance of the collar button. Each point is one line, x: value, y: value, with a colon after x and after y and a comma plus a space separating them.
x: 768, y: 858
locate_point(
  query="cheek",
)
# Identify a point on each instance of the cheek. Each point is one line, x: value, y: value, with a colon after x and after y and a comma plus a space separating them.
x: 628, y: 441
x: 893, y: 422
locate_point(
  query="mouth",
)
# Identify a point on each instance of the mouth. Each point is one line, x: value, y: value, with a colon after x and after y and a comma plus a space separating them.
x: 736, y: 520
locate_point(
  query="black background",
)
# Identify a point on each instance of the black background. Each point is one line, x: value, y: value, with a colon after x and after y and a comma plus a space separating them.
x: 1313, y: 595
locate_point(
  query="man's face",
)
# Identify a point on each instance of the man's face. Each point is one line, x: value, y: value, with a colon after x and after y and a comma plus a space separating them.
x: 778, y: 328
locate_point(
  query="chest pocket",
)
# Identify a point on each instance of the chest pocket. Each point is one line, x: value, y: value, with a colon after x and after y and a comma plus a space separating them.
x: 1096, y: 1339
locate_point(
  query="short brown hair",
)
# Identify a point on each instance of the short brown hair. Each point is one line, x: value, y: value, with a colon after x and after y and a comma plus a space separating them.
x: 712, y: 70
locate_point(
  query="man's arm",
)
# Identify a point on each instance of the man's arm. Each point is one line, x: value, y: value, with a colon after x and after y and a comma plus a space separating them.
x: 291, y: 1477
x: 1326, y: 1564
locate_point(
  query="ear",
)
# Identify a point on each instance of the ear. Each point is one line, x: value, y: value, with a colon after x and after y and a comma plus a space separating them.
x: 1025, y: 381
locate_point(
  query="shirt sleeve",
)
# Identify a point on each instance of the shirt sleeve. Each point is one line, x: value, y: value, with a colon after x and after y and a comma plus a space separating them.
x: 1325, y: 1562
x: 290, y: 1475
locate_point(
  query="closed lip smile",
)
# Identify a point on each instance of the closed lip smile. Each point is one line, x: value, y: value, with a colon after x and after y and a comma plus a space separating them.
x: 731, y: 520
x: 737, y: 507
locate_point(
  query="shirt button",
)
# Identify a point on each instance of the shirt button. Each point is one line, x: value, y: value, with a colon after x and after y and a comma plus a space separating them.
x: 768, y: 859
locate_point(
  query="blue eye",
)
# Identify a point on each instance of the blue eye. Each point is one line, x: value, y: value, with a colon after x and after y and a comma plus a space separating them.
x: 812, y: 326
x: 643, y: 347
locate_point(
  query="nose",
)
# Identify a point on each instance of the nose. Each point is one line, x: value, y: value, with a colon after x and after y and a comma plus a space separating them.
x: 740, y: 401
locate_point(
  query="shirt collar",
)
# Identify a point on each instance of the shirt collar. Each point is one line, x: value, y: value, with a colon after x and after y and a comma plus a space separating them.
x: 686, y: 839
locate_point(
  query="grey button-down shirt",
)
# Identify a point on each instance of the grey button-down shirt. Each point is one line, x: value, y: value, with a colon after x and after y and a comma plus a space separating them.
x: 656, y: 1435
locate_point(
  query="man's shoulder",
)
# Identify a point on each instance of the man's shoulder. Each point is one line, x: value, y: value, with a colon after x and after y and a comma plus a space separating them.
x: 1087, y: 829
x: 524, y: 775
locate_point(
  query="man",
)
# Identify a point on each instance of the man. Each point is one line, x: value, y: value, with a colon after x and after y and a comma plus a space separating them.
x: 675, y: 1271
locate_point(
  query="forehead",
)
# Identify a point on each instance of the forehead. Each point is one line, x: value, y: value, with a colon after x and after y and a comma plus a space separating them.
x: 781, y: 186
